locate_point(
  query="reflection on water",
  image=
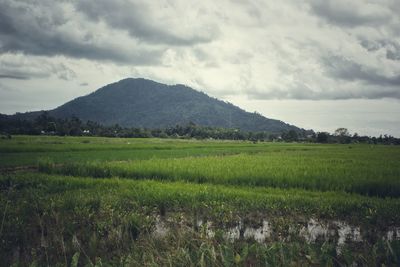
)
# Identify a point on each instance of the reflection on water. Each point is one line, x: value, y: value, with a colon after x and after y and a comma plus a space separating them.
x: 160, y: 230
x: 258, y: 234
x: 312, y: 231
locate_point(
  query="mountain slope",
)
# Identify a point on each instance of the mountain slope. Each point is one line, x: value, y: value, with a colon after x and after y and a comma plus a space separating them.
x: 145, y: 103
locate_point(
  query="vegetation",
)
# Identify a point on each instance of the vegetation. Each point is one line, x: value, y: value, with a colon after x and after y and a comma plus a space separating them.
x: 45, y: 124
x: 184, y: 199
x: 112, y: 221
x: 29, y: 150
x: 359, y: 169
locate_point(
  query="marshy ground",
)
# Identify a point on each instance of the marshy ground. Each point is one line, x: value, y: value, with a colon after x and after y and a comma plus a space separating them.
x: 87, y: 201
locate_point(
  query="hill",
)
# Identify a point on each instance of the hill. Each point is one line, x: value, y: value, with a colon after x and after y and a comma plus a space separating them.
x: 148, y: 104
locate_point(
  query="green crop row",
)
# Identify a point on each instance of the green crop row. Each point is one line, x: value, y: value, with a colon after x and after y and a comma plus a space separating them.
x: 178, y: 195
x: 26, y: 150
x: 363, y: 170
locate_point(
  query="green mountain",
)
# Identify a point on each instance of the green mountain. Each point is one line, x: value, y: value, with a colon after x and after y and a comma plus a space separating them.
x: 148, y: 104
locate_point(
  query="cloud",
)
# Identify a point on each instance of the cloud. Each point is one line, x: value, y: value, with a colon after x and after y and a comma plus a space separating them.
x: 257, y: 49
x: 390, y: 47
x: 13, y: 76
x: 141, y: 21
x: 22, y: 67
x: 346, y: 69
x: 51, y: 28
x: 352, y: 13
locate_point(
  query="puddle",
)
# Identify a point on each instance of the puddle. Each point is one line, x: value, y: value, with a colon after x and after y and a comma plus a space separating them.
x: 393, y: 234
x: 208, y: 228
x: 233, y: 233
x: 258, y: 234
x: 313, y: 231
x: 346, y: 233
x: 161, y: 230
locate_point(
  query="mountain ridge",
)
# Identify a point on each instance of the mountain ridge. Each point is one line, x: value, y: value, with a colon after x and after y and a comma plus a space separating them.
x: 139, y: 102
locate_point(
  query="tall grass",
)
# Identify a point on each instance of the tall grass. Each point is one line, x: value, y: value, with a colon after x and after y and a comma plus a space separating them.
x: 70, y: 220
x: 211, y: 198
x: 26, y: 150
x: 363, y: 170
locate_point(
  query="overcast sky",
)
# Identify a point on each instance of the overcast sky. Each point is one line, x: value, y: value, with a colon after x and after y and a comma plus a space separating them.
x: 316, y: 64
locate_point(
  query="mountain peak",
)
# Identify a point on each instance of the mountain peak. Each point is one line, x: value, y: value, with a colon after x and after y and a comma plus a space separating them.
x: 139, y: 102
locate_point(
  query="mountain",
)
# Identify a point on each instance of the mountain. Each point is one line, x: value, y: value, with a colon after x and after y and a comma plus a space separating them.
x: 148, y: 104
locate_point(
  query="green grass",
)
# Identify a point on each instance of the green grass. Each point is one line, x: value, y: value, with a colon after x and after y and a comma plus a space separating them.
x: 111, y: 219
x: 190, y: 197
x: 28, y: 150
x: 360, y: 169
x: 96, y: 201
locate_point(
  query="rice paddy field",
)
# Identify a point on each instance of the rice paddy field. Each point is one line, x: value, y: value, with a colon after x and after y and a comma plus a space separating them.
x: 88, y: 201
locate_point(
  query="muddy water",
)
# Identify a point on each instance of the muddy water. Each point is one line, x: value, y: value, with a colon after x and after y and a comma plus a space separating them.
x: 312, y: 231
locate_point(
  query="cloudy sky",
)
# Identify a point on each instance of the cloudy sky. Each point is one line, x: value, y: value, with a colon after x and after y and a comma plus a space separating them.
x: 319, y: 64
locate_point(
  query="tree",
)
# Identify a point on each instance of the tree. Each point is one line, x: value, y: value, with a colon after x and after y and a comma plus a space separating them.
x: 290, y: 136
x: 343, y: 135
x: 322, y: 137
x: 342, y: 132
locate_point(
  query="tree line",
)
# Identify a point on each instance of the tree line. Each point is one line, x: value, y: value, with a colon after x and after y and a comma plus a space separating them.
x: 47, y: 125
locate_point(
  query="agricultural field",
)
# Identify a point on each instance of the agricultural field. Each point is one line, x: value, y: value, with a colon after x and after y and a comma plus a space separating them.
x: 89, y: 201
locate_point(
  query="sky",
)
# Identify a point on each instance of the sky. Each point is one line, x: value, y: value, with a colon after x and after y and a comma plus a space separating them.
x: 317, y: 64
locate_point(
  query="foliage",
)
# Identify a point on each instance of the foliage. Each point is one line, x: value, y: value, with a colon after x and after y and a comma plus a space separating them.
x: 46, y: 125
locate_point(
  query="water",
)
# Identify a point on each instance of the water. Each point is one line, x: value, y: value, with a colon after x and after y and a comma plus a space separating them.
x: 315, y: 230
x: 259, y: 234
x: 393, y: 234
x: 312, y: 231
x: 160, y: 230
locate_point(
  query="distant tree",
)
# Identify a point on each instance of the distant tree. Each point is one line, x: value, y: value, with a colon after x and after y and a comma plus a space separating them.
x: 322, y: 137
x: 342, y: 132
x: 356, y: 138
x: 290, y: 136
x: 74, y: 126
x: 342, y: 135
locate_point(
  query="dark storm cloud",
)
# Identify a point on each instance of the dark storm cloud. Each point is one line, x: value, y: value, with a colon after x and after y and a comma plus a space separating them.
x: 393, y: 54
x: 21, y: 72
x: 349, y: 14
x: 12, y: 76
x: 392, y: 48
x: 135, y: 18
x: 345, y: 69
x: 37, y: 28
x: 22, y: 67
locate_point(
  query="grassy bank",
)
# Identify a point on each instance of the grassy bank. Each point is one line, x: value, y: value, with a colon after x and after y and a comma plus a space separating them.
x: 52, y: 218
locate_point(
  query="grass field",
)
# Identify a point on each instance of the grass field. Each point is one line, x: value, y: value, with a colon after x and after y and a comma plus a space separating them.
x: 86, y: 201
x: 27, y: 150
